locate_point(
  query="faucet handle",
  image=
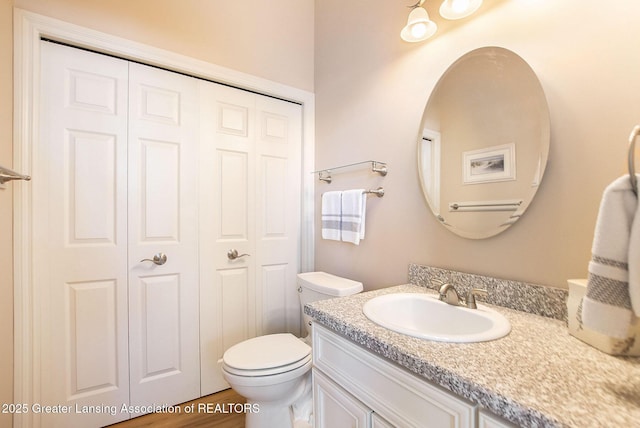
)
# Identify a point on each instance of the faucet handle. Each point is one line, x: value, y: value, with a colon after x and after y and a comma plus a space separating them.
x: 471, y: 297
x: 436, y: 282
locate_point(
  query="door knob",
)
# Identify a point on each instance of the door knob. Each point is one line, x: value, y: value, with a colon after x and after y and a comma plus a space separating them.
x: 159, y: 259
x: 233, y: 254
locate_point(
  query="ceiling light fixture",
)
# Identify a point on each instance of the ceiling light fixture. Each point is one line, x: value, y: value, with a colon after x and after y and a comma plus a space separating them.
x: 458, y: 9
x: 419, y: 27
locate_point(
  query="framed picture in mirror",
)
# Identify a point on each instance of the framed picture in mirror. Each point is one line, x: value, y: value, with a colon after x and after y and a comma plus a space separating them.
x: 488, y: 165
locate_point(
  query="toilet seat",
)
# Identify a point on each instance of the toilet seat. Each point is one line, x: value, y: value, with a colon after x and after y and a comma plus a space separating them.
x: 273, y: 371
x: 266, y: 355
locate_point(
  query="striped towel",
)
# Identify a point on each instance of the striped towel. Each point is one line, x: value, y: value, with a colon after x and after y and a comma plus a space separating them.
x: 607, y: 307
x: 331, y: 215
x: 354, y: 208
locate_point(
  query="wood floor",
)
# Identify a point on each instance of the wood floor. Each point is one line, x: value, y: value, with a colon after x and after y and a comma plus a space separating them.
x: 221, y: 410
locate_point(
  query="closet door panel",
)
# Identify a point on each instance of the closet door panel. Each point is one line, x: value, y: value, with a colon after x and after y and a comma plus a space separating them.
x: 232, y: 198
x: 92, y: 200
x: 274, y: 302
x: 80, y: 225
x: 278, y: 189
x: 160, y: 315
x: 92, y: 322
x: 249, y: 202
x: 160, y: 191
x: 227, y: 222
x: 234, y: 313
x: 163, y: 298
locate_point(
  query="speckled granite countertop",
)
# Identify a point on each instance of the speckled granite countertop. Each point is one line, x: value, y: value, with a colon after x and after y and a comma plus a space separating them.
x: 537, y: 376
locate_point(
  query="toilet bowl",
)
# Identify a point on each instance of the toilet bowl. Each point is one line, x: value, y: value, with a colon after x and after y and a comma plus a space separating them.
x: 273, y: 372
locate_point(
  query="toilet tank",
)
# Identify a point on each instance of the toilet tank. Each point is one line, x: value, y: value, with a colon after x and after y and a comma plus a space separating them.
x: 314, y: 286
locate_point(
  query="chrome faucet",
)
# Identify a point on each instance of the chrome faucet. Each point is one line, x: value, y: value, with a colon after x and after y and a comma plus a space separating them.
x: 448, y: 294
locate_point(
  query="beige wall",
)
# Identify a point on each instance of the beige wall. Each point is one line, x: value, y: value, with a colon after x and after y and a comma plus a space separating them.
x: 371, y: 90
x: 272, y: 40
x: 6, y: 207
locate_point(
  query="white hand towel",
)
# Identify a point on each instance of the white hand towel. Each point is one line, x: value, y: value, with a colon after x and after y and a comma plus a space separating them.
x: 354, y: 208
x: 331, y: 215
x: 634, y: 261
x: 606, y: 308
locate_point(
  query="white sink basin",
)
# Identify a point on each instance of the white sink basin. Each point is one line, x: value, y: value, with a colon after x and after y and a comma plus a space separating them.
x: 424, y: 316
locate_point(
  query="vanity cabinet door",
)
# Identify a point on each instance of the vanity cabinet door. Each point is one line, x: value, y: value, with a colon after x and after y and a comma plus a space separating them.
x: 489, y: 420
x: 378, y: 422
x: 401, y: 398
x: 334, y: 407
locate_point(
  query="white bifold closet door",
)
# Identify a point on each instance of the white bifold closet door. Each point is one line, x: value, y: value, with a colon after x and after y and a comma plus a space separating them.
x: 250, y: 168
x: 164, y: 341
x: 134, y: 162
x: 116, y: 184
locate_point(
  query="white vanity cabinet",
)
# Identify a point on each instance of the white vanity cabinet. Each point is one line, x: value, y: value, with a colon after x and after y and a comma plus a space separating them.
x: 355, y: 388
x: 378, y: 422
x: 488, y: 420
x: 334, y: 407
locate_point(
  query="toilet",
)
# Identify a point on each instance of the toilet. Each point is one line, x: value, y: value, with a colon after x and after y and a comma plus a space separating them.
x: 273, y: 372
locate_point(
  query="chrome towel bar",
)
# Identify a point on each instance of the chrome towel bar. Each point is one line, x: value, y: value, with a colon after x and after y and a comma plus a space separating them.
x: 506, y: 205
x: 379, y: 192
x: 376, y: 166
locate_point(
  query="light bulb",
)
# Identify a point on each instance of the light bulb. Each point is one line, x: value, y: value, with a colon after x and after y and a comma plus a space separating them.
x: 418, y: 30
x: 457, y: 9
x: 459, y: 6
x: 419, y: 27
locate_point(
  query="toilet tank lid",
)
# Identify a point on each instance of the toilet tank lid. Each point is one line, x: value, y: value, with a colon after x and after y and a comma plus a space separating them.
x: 329, y: 284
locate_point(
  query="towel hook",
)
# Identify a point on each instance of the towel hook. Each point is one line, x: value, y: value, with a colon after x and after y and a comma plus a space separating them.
x: 632, y: 151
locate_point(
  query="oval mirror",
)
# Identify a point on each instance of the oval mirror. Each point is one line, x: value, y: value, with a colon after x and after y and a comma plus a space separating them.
x: 485, y: 141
